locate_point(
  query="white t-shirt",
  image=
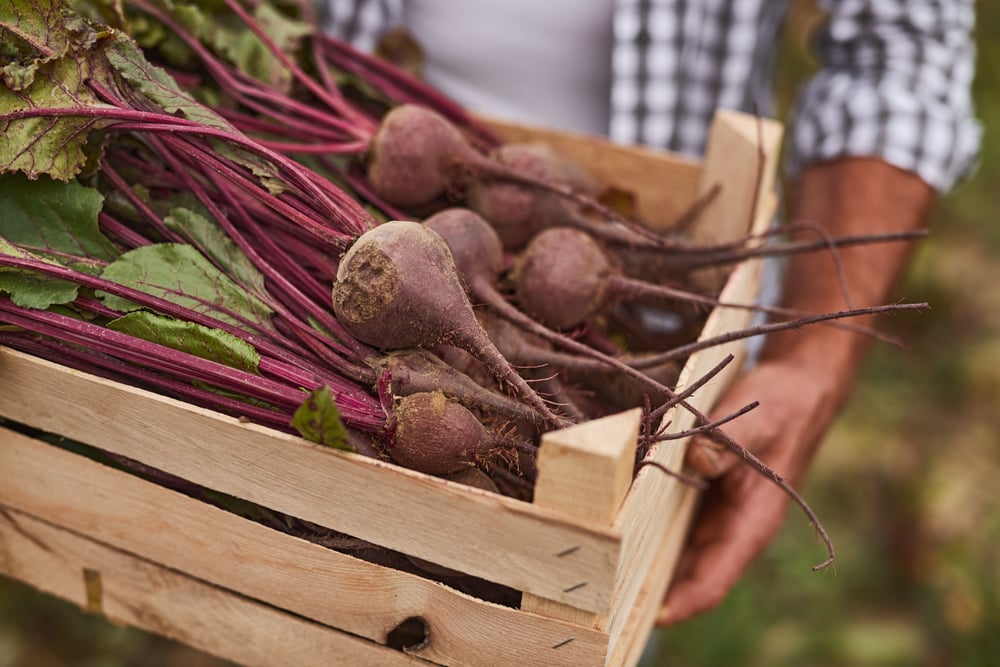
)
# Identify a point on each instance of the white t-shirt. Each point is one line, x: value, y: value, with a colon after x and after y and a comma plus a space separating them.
x: 545, y: 62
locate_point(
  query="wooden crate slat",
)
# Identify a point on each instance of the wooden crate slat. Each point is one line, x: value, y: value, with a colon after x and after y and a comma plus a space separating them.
x: 334, y: 589
x: 645, y: 517
x: 156, y: 599
x: 741, y: 157
x: 585, y: 471
x: 639, y: 614
x: 388, y: 505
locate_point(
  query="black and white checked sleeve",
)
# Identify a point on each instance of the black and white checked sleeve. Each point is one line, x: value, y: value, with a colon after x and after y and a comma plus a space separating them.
x: 360, y: 22
x: 895, y: 83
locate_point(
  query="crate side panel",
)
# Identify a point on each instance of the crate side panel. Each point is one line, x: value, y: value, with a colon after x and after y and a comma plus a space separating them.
x: 638, y: 614
x: 651, y: 507
x: 148, y: 596
x: 353, y: 595
x: 390, y: 506
x: 585, y: 471
x: 741, y: 157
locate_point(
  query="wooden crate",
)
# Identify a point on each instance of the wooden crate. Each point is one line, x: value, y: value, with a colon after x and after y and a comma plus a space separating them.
x: 593, y: 554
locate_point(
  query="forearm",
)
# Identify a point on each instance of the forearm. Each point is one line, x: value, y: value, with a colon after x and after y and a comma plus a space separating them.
x: 848, y: 196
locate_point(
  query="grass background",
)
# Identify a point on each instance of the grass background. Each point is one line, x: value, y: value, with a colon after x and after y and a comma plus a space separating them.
x: 906, y: 483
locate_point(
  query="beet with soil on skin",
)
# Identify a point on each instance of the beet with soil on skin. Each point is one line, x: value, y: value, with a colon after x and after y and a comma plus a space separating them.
x: 561, y: 278
x: 415, y: 156
x: 397, y: 287
x: 438, y: 436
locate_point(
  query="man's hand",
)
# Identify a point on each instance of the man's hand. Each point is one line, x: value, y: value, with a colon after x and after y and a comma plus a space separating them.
x: 743, y: 511
x: 802, y: 379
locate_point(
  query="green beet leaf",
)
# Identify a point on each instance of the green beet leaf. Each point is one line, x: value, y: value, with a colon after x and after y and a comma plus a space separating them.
x: 318, y: 420
x: 28, y: 289
x: 201, y: 341
x: 53, y: 52
x: 227, y: 35
x: 36, y: 32
x: 209, y: 237
x: 182, y: 275
x: 128, y: 60
x: 54, y: 220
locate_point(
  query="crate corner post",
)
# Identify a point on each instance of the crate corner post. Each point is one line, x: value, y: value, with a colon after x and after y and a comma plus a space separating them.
x: 741, y: 158
x: 585, y: 471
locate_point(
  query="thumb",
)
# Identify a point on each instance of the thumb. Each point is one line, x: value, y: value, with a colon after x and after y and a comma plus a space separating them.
x: 709, y: 455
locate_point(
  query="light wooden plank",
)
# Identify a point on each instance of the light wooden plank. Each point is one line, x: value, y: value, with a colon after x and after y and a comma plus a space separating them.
x: 375, y: 501
x: 358, y: 597
x: 742, y: 157
x: 639, y: 616
x: 651, y: 509
x: 664, y: 184
x: 585, y: 471
x: 153, y: 598
x: 733, y: 161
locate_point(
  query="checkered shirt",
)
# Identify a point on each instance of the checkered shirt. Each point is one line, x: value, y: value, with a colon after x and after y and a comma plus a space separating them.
x: 895, y: 77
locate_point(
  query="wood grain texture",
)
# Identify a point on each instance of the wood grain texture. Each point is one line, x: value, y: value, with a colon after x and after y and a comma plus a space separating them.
x: 741, y: 156
x: 656, y: 506
x: 639, y: 615
x: 151, y: 597
x: 378, y: 502
x: 223, y: 549
x: 585, y: 472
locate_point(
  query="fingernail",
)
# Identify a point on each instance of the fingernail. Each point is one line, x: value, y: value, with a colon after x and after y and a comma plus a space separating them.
x: 664, y: 616
x: 706, y: 460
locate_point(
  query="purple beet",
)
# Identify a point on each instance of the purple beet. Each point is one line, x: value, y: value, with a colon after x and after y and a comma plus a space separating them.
x: 397, y: 288
x: 438, y: 436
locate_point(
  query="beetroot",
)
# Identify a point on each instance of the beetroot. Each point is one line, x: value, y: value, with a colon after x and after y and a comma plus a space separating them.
x: 475, y: 478
x: 415, y: 155
x: 438, y: 436
x: 397, y: 287
x: 517, y: 212
x: 413, y: 371
x: 478, y: 256
x: 561, y: 278
x: 530, y: 188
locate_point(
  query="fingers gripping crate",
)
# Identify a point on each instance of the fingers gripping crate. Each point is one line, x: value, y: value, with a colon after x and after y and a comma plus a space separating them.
x: 593, y: 554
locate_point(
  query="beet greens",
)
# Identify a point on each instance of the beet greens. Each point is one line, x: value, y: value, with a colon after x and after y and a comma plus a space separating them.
x: 183, y: 226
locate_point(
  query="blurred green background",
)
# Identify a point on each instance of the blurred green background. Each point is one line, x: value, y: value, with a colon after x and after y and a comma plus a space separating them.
x: 907, y: 482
